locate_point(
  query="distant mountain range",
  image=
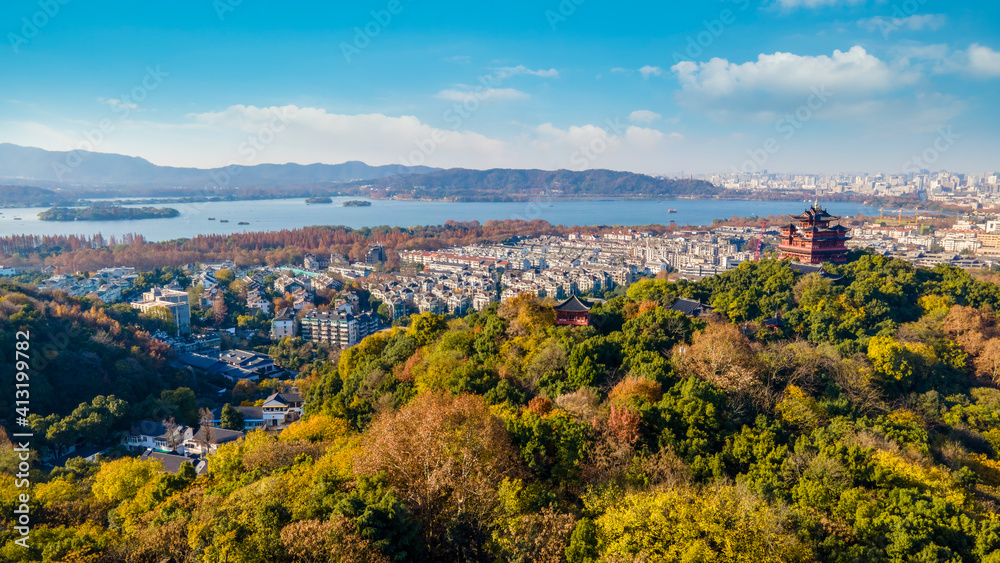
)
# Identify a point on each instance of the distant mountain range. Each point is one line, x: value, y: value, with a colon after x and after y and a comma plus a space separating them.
x: 462, y: 184
x: 38, y: 167
x: 63, y: 177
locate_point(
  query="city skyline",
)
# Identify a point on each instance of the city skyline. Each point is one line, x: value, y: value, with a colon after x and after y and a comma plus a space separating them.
x: 787, y: 86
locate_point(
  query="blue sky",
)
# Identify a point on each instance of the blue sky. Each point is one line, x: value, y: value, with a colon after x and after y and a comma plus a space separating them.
x: 809, y: 86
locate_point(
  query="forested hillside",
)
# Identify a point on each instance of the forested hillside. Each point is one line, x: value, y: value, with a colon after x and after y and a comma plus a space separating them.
x: 79, y: 350
x: 502, y: 184
x: 814, y: 419
x: 92, y: 369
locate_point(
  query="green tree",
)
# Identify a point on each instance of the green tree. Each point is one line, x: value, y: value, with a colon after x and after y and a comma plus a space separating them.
x: 230, y: 418
x: 225, y: 277
x: 181, y: 404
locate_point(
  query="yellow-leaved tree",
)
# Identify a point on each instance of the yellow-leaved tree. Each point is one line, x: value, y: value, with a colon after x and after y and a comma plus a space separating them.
x: 121, y: 479
x: 720, y: 524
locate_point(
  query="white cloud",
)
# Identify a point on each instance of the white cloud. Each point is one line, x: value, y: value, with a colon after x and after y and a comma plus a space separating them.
x: 461, y: 59
x: 468, y: 95
x: 772, y: 81
x: 916, y: 22
x: 644, y: 116
x: 648, y: 71
x: 116, y: 103
x: 614, y: 146
x: 983, y: 61
x: 621, y: 70
x: 250, y: 135
x: 307, y: 134
x: 978, y: 60
x: 503, y: 73
x: 790, y: 4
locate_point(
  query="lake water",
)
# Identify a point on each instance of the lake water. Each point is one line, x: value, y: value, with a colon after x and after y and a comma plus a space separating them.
x: 272, y: 215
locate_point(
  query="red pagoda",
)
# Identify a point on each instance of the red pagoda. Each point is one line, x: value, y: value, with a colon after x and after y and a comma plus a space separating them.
x: 573, y: 312
x: 814, y: 241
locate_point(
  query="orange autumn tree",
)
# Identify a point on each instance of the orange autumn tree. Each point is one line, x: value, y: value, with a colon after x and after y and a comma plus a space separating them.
x: 445, y: 456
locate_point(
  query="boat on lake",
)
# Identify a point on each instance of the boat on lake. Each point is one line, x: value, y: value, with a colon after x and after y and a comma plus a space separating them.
x: 223, y: 220
x: 242, y: 223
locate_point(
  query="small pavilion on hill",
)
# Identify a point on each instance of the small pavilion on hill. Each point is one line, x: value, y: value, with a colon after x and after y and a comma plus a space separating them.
x: 573, y: 312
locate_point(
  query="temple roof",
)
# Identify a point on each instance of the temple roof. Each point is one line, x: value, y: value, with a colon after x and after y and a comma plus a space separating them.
x: 688, y: 306
x: 815, y: 213
x: 833, y: 229
x: 573, y: 305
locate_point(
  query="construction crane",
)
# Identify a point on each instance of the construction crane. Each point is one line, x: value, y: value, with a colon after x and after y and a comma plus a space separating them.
x: 760, y: 243
x: 900, y: 217
x: 881, y: 215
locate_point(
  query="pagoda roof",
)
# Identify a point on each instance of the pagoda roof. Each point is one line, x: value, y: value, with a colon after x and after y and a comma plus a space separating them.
x: 573, y: 305
x: 815, y: 213
x: 837, y: 229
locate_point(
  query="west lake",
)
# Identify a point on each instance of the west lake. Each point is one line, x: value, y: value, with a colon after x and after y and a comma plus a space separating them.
x: 277, y: 214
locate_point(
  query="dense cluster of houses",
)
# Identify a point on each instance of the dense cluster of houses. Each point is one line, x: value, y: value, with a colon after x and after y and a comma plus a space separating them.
x: 440, y: 288
x: 967, y: 244
x: 106, y: 284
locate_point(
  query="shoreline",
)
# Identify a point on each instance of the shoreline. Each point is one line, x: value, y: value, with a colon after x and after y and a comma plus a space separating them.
x: 803, y: 197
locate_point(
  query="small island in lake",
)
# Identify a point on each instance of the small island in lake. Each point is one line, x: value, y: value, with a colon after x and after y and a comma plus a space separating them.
x: 319, y: 200
x: 357, y: 203
x: 107, y: 213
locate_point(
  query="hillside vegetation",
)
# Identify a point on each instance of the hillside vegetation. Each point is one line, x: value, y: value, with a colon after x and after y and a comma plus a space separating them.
x: 506, y: 184
x: 862, y: 427
x: 107, y: 213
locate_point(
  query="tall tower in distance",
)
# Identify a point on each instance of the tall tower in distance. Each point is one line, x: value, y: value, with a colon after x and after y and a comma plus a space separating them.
x: 814, y: 241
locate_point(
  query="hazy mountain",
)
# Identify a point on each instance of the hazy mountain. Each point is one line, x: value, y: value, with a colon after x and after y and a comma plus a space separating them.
x: 26, y: 165
x: 463, y: 184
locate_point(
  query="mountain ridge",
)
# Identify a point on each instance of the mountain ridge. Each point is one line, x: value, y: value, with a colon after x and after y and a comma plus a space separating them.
x: 66, y: 169
x: 80, y: 174
x: 499, y: 183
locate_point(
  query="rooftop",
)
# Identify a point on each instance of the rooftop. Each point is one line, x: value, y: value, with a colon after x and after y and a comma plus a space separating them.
x: 573, y: 305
